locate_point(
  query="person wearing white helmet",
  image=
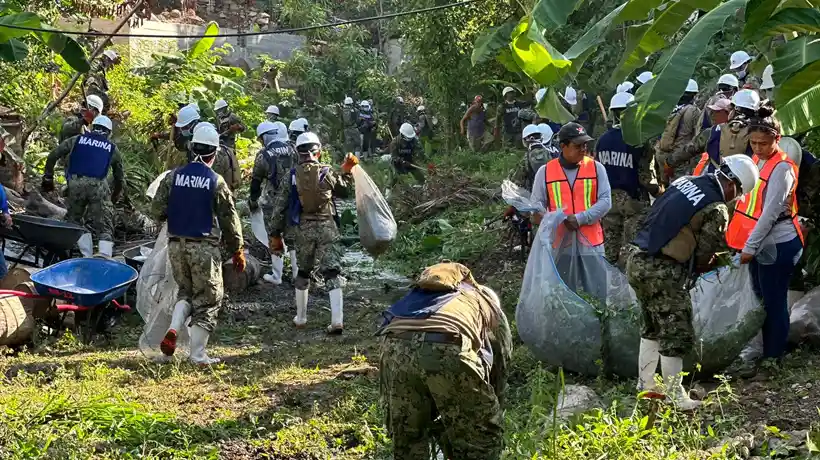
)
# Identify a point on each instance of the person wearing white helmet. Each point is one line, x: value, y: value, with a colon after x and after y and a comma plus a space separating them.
x: 405, y: 151
x: 474, y: 118
x: 79, y: 122
x: 642, y: 79
x: 306, y: 202
x: 187, y: 119
x: 625, y: 87
x: 678, y: 240
x: 739, y: 63
x: 548, y: 139
x: 350, y: 124
x: 424, y: 128
x: 765, y: 228
x: 296, y: 128
x: 96, y: 80
x: 681, y: 127
x: 632, y: 177
x: 88, y: 158
x: 228, y: 124
x: 507, y: 124
x: 721, y: 140
x: 271, y: 166
x: 367, y: 125
x: 727, y: 86
x: 536, y: 155
x: 272, y: 112
x: 767, y: 83
x: 398, y: 115
x: 199, y: 210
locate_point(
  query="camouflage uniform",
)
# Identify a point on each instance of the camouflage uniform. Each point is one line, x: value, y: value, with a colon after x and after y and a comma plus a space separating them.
x: 524, y: 173
x: 89, y: 199
x: 422, y: 380
x: 662, y: 284
x: 352, y: 137
x: 316, y: 235
x: 226, y: 136
x: 731, y: 143
x: 227, y: 166
x: 398, y: 159
x: 269, y: 190
x: 196, y: 262
x: 96, y: 83
x: 681, y: 127
x: 74, y: 126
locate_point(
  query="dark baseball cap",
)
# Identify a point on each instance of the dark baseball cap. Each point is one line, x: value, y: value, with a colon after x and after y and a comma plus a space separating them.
x: 573, y: 132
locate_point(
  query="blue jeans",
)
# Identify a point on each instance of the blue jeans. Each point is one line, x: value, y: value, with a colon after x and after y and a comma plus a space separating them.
x: 771, y: 283
x: 4, y: 269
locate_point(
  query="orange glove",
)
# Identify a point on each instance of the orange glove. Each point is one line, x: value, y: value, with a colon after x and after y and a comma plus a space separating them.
x: 350, y: 161
x: 509, y: 212
x: 239, y: 260
x: 276, y: 245
x: 668, y: 171
x: 431, y: 168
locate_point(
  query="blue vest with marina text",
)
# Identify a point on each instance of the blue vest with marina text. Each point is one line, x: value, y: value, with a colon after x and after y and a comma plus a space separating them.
x: 273, y: 152
x: 91, y: 156
x: 621, y: 162
x: 674, y: 209
x: 190, y: 203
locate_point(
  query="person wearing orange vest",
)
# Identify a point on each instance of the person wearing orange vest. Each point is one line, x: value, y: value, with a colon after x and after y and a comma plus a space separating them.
x: 765, y: 229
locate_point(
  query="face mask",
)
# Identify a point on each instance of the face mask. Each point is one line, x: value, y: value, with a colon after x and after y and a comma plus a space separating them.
x: 741, y: 74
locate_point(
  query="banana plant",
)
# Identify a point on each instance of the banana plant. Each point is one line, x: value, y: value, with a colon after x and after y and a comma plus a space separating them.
x: 14, y: 48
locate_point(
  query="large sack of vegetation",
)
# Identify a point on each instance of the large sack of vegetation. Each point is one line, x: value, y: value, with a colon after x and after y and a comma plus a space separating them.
x: 577, y: 311
x: 377, y: 227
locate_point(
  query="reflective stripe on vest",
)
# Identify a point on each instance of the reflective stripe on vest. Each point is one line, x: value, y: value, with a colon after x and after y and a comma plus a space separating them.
x: 574, y: 199
x: 750, y: 206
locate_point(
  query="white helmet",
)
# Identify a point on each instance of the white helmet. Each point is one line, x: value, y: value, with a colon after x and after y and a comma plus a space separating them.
x: 407, y: 131
x: 304, y: 123
x: 620, y: 100
x: 530, y: 130
x: 546, y: 132
x: 792, y: 149
x: 400, y: 100
x: 420, y: 108
x: 265, y: 127
x: 540, y: 95
x: 187, y: 115
x: 203, y: 124
x: 281, y: 132
x: 767, y: 83
x: 692, y: 86
x: 308, y: 138
x: 645, y: 77
x: 348, y: 101
x: 744, y: 170
x: 296, y: 126
x: 220, y: 104
x: 746, y: 98
x: 94, y: 101
x: 570, y: 95
x: 206, y: 134
x: 728, y: 79
x: 272, y: 109
x: 624, y: 87
x: 508, y: 89
x: 738, y: 58
x: 364, y: 104
x: 102, y: 120
x: 111, y: 54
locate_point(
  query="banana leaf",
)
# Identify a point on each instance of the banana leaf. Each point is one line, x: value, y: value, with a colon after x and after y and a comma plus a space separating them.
x: 551, y: 108
x: 20, y: 20
x: 758, y: 13
x: 535, y: 55
x: 13, y: 50
x: 638, y: 10
x: 205, y: 43
x: 793, y: 56
x: 798, y: 83
x: 67, y: 48
x: 554, y: 13
x: 802, y: 20
x: 488, y: 44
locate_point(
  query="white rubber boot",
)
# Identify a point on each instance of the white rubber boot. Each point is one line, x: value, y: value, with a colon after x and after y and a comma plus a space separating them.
x: 648, y: 357
x: 199, y: 340
x: 672, y: 368
x: 301, y: 308
x: 182, y: 310
x: 107, y: 248
x: 336, y: 312
x: 294, y: 268
x: 86, y: 245
x: 277, y: 265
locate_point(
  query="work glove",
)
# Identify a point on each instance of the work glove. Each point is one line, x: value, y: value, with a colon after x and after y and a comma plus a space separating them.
x: 156, y: 136
x: 47, y: 185
x: 668, y: 171
x: 509, y: 212
x: 350, y: 161
x: 239, y: 260
x: 253, y: 205
x: 235, y: 128
x: 276, y: 245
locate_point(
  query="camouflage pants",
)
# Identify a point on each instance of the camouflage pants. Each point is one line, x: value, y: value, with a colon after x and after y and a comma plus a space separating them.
x: 287, y: 235
x: 659, y: 284
x: 197, y: 268
x: 620, y: 226
x: 89, y: 201
x: 420, y: 381
x: 352, y: 140
x: 318, y: 243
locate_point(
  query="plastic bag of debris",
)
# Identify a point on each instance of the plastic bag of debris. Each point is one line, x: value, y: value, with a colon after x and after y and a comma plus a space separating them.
x: 519, y: 198
x: 577, y: 311
x: 377, y: 227
x: 156, y: 297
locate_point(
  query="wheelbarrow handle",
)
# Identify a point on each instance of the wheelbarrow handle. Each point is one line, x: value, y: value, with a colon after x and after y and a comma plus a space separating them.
x: 28, y: 295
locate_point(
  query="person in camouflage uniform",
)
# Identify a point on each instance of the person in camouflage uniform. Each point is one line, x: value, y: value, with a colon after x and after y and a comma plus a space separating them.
x: 445, y: 355
x: 681, y: 128
x: 96, y: 81
x: 79, y: 121
x: 424, y: 128
x: 307, y: 203
x: 398, y: 116
x: 352, y: 136
x: 88, y: 158
x: 739, y: 62
x: 229, y: 124
x: 726, y: 88
x: 537, y: 155
x: 678, y: 239
x: 199, y: 209
x: 270, y: 169
x: 404, y: 153
x: 225, y: 164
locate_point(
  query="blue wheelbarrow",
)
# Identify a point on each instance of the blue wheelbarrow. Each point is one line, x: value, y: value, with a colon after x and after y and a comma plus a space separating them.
x: 89, y: 286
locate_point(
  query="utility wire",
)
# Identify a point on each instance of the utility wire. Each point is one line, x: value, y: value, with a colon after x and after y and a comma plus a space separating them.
x: 251, y: 34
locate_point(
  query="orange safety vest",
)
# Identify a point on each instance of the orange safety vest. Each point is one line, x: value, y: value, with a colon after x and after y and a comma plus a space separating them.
x: 704, y: 161
x: 748, y: 210
x: 574, y: 199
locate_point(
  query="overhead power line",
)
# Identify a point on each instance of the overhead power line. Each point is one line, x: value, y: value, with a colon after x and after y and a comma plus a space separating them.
x: 252, y: 34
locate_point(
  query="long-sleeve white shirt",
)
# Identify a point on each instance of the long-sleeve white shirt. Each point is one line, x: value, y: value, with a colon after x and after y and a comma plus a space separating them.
x: 596, y: 212
x: 768, y: 231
